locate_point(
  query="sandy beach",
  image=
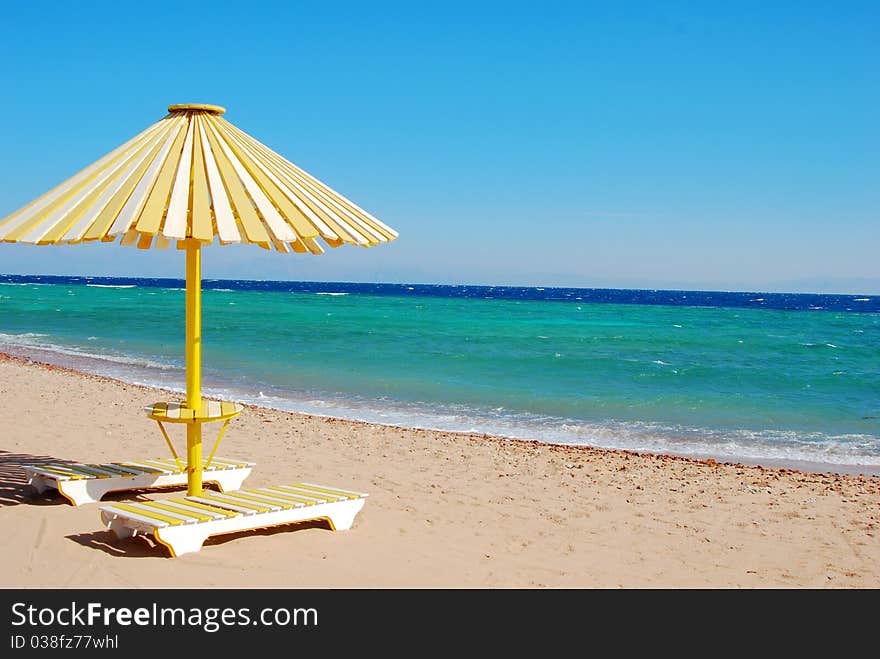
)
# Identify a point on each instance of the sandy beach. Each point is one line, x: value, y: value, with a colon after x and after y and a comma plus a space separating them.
x: 445, y: 509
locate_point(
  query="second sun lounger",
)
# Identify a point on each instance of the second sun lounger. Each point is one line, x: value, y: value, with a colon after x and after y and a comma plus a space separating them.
x: 182, y: 524
x: 87, y: 483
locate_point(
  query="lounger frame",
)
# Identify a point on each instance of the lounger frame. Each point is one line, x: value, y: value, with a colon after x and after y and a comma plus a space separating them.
x: 183, y: 524
x: 88, y: 483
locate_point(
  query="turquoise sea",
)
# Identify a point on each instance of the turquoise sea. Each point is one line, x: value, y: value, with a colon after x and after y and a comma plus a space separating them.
x: 777, y: 379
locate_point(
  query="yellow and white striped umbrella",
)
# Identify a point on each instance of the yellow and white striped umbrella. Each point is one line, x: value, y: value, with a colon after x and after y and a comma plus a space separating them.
x: 193, y: 175
x: 190, y: 178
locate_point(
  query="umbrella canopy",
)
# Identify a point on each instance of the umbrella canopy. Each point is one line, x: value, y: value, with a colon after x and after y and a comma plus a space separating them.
x: 193, y: 178
x: 195, y: 175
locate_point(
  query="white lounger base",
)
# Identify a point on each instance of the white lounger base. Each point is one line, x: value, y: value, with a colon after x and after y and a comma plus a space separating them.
x: 84, y: 490
x: 189, y: 536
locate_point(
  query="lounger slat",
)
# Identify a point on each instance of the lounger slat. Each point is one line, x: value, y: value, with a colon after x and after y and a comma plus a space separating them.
x: 134, y: 471
x: 241, y: 494
x: 218, y: 465
x: 277, y: 498
x: 143, y: 508
x: 94, y: 472
x: 159, y: 507
x: 171, y: 468
x: 118, y: 471
x: 203, y: 506
x: 307, y: 497
x: 153, y: 516
x: 222, y: 504
x: 302, y: 492
x: 214, y: 466
x: 155, y: 468
x: 189, y: 508
x: 68, y: 470
x: 242, y: 501
x: 63, y: 467
x: 167, y: 463
x: 45, y: 473
x: 348, y: 494
x: 229, y: 463
x: 306, y: 501
x: 147, y: 469
x: 128, y: 514
x: 54, y: 472
x: 195, y: 516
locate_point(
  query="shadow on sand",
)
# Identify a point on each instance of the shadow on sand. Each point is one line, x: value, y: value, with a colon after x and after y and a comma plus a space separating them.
x: 14, y: 488
x: 144, y: 546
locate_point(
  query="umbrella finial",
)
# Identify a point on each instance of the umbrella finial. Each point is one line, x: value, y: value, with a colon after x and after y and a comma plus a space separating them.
x: 196, y: 107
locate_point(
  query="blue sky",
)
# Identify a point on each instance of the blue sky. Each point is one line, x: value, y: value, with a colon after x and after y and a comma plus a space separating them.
x: 662, y: 145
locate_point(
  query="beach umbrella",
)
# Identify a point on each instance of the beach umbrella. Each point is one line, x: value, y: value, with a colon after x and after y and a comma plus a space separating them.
x: 193, y: 179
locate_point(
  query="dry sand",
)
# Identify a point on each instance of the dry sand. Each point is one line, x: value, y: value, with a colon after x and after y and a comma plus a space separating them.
x: 445, y: 509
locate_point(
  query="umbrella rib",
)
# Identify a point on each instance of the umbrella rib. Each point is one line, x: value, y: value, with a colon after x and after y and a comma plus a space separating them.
x: 313, y: 246
x: 175, y: 219
x: 156, y: 200
x: 220, y: 200
x: 254, y: 230
x: 98, y: 229
x: 200, y: 217
x: 78, y: 204
x: 138, y: 196
x: 340, y: 226
x: 295, y: 174
x: 61, y: 192
x: 279, y: 228
x: 320, y: 186
x: 304, y: 223
x: 283, y: 167
x: 76, y: 232
x: 312, y: 207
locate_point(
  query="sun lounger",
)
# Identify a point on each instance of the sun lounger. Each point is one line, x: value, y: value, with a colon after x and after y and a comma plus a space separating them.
x: 182, y: 524
x: 87, y: 483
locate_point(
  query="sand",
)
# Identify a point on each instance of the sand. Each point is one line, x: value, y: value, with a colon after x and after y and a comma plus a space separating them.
x: 446, y: 510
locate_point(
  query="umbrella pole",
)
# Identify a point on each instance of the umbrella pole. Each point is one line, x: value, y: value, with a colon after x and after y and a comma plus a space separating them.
x: 194, y: 365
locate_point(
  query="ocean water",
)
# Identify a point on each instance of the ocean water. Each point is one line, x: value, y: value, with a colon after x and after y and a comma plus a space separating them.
x: 753, y: 377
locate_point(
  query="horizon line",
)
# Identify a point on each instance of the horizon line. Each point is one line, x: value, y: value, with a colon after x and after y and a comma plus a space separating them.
x: 407, y: 283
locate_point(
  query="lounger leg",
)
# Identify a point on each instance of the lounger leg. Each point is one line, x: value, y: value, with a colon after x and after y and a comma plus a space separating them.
x: 79, y: 492
x: 343, y: 515
x: 39, y: 483
x: 117, y: 526
x: 181, y: 539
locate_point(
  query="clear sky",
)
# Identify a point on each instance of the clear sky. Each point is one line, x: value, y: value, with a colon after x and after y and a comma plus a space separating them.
x: 729, y: 146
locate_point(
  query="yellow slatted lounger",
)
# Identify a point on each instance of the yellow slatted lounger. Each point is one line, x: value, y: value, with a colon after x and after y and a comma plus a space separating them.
x: 87, y: 483
x: 182, y: 524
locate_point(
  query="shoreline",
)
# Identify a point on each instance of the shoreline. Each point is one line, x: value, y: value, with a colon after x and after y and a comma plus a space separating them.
x: 767, y: 463
x: 445, y: 509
